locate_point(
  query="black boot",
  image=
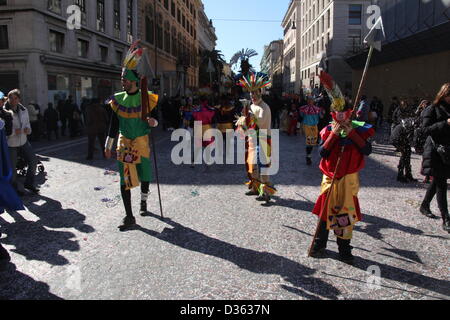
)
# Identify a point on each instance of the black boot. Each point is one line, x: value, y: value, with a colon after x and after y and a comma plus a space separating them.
x: 400, y: 177
x: 252, y: 193
x: 308, y: 161
x: 446, y: 224
x: 320, y: 243
x: 409, y: 177
x: 426, y: 211
x: 143, y: 211
x: 128, y: 223
x: 345, y: 251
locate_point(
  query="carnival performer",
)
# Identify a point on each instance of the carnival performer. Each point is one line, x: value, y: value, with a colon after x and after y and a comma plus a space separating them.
x: 130, y: 118
x: 205, y: 115
x: 310, y: 115
x: 344, y: 145
x: 255, y: 125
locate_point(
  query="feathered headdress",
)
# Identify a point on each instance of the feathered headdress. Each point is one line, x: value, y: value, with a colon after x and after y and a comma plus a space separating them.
x: 337, y: 99
x: 131, y: 62
x: 254, y: 81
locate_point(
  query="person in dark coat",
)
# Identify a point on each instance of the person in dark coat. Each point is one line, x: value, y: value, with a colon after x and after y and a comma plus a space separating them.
x: 97, y: 125
x: 436, y: 125
x: 51, y: 121
x: 401, y: 138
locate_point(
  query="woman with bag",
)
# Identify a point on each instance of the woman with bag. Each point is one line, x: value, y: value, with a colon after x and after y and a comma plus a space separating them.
x: 436, y: 155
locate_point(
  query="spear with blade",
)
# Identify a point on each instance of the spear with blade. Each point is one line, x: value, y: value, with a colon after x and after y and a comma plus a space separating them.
x: 374, y: 39
x: 145, y: 71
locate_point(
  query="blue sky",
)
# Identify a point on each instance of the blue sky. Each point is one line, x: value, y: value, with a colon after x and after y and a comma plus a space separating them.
x: 236, y: 35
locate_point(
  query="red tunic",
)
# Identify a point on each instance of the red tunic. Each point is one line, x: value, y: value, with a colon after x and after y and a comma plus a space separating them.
x: 352, y: 160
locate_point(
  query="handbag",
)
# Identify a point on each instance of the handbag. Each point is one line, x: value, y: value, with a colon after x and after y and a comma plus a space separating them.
x: 443, y: 152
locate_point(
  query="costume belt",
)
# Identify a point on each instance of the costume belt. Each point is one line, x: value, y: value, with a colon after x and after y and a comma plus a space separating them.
x: 223, y: 127
x: 129, y: 152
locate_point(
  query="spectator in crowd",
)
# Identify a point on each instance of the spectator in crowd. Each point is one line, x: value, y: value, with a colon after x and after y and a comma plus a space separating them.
x: 377, y: 106
x: 293, y: 120
x: 363, y: 111
x: 84, y: 104
x: 33, y: 113
x: 51, y: 121
x: 97, y: 123
x: 404, y: 111
x: 63, y: 116
x: 436, y: 157
x: 324, y: 103
x: 18, y: 141
x: 74, y: 117
x: 275, y: 106
x: 392, y: 108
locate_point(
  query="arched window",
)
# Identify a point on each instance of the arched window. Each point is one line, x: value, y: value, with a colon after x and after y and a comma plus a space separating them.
x: 167, y: 36
x: 149, y: 24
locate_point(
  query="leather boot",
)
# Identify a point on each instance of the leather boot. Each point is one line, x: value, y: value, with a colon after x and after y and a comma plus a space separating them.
x: 320, y: 243
x: 400, y: 177
x: 345, y: 251
x: 446, y: 224
x: 143, y: 211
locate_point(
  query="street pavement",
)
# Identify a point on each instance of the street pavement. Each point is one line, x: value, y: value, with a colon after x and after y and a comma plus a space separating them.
x: 215, y: 242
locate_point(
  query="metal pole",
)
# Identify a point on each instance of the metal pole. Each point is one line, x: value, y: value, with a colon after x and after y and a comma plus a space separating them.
x: 156, y: 41
x: 363, y: 79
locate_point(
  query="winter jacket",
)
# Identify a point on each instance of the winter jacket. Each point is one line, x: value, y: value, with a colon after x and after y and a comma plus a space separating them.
x: 436, y: 128
x: 6, y: 116
x: 21, y: 121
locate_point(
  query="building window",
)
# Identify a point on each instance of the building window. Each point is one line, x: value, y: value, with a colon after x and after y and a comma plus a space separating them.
x: 354, y: 40
x: 167, y: 37
x: 159, y: 32
x: 82, y: 5
x: 174, y: 41
x: 56, y: 40
x: 101, y: 15
x: 119, y: 57
x: 54, y: 6
x: 149, y: 25
x: 104, y: 54
x: 4, y: 43
x: 83, y: 48
x: 2, y: 2
x: 179, y: 16
x: 355, y: 14
x: 166, y: 4
x: 130, y: 20
x: 173, y: 9
x: 116, y: 18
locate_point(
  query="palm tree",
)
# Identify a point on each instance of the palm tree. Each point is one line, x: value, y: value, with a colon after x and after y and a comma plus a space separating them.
x: 217, y: 60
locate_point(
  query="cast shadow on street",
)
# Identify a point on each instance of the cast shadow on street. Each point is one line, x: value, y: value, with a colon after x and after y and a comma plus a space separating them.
x: 299, y: 205
x: 301, y: 277
x: 35, y: 241
x: 15, y: 285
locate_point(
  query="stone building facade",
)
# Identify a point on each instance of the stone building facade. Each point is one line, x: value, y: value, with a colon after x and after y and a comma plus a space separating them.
x: 47, y: 61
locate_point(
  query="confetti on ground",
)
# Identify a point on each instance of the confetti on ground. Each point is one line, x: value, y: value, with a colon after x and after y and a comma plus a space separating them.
x: 195, y: 193
x: 110, y: 203
x: 99, y: 188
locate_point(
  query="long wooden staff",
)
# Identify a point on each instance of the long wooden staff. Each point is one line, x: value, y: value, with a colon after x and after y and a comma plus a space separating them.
x: 145, y: 113
x: 327, y: 198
